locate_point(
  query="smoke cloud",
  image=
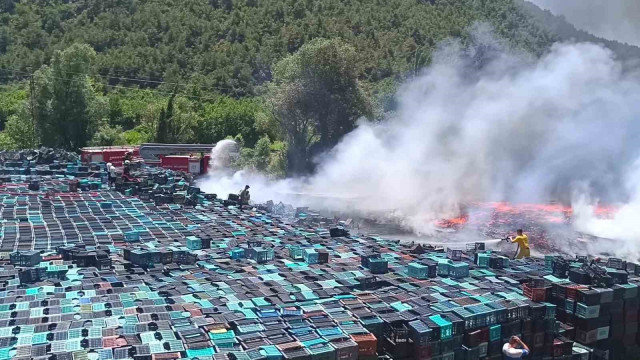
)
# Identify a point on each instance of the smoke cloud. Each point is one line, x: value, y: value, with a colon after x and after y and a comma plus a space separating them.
x: 613, y: 19
x: 486, y: 124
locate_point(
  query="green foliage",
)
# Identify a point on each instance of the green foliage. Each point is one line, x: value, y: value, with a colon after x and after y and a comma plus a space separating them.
x: 165, y: 130
x: 278, y: 160
x: 137, y: 136
x: 6, y: 143
x: 266, y: 157
x: 230, y: 117
x: 262, y: 154
x: 291, y: 76
x: 12, y: 98
x: 317, y: 98
x: 229, y: 46
x: 65, y: 103
x: 20, y: 131
x: 108, y: 136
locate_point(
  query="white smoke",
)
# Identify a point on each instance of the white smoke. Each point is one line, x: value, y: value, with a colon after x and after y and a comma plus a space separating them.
x: 483, y: 124
x: 612, y: 19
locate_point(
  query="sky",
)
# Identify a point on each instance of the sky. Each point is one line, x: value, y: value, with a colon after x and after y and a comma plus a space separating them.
x: 611, y: 19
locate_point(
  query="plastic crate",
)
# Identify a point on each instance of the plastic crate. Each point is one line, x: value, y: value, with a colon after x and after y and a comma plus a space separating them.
x: 443, y: 267
x: 418, y: 271
x: 550, y: 311
x: 470, y: 319
x: 378, y: 266
x: 548, y: 262
x: 587, y: 312
x: 454, y: 254
x: 495, y: 332
x: 420, y: 333
x: 322, y: 351
x: 482, y: 260
x: 367, y: 344
x: 535, y: 294
x: 580, y: 352
x: 345, y: 349
x: 446, y: 327
x: 459, y: 270
x: 602, y: 333
x: 572, y: 291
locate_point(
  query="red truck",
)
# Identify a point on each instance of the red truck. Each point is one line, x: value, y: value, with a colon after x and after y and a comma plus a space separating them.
x: 179, y: 157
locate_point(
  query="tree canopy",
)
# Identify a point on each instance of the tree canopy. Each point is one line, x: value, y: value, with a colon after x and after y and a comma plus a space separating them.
x: 283, y: 76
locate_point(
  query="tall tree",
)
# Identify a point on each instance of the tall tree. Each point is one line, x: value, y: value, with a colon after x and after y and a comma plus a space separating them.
x: 317, y: 98
x: 64, y: 98
x: 166, y: 130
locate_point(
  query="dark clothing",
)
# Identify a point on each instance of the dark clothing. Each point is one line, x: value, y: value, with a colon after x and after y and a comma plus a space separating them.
x: 244, y: 197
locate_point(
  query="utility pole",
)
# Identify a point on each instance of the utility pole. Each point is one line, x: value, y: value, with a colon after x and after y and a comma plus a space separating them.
x: 32, y: 89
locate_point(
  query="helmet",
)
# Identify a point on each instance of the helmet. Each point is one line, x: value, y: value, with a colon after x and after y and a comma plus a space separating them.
x: 126, y: 162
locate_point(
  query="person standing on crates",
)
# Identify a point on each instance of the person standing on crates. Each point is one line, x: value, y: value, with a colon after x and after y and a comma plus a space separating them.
x: 112, y: 174
x: 245, y: 196
x: 515, y: 348
x: 523, y: 244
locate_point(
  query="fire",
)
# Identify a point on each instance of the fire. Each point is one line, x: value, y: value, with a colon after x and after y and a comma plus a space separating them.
x: 542, y: 222
x: 453, y: 223
x: 494, y: 214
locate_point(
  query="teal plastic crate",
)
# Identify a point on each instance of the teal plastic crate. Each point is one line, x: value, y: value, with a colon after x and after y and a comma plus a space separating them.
x: 194, y: 243
x: 271, y: 352
x: 587, y: 312
x: 296, y: 252
x: 443, y: 267
x: 199, y: 353
x: 550, y: 311
x: 446, y: 327
x: 459, y: 270
x: 483, y: 259
x: 322, y: 351
x: 548, y: 262
x: 418, y: 271
x: 495, y: 332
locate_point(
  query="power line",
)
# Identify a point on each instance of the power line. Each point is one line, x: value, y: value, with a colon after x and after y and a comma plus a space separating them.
x: 119, y: 86
x: 106, y: 77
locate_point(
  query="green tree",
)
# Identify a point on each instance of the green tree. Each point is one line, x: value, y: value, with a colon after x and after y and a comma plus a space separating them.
x: 230, y: 117
x: 64, y: 99
x: 278, y: 160
x: 262, y: 154
x: 6, y: 143
x: 162, y: 131
x: 19, y: 129
x: 108, y: 136
x: 318, y: 98
x: 12, y: 99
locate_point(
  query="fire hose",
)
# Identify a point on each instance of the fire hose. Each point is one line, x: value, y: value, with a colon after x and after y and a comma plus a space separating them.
x: 507, y: 239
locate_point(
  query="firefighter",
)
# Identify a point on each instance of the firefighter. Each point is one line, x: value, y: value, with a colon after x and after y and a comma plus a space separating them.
x: 523, y: 243
x: 245, y: 196
x: 127, y: 169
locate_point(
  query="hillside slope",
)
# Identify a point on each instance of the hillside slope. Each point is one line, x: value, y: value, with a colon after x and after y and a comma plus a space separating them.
x: 230, y: 45
x: 561, y: 29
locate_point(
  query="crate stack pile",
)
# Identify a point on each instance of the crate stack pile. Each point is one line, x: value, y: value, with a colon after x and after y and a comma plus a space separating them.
x: 98, y: 274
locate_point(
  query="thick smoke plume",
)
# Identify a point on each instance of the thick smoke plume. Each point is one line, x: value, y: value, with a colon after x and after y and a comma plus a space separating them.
x: 485, y: 124
x: 611, y: 19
